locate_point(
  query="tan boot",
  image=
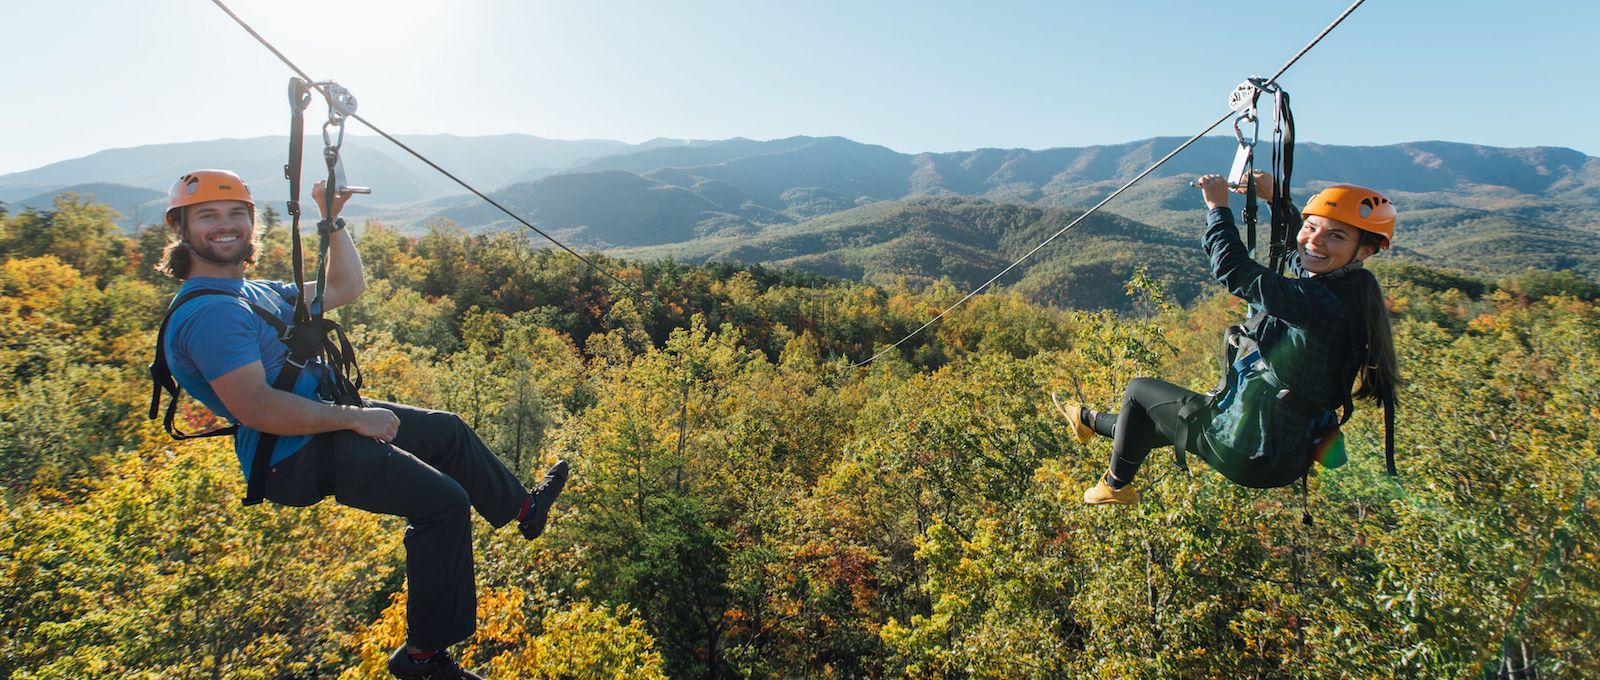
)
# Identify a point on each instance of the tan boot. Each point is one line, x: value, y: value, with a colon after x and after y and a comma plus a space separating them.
x: 1102, y: 494
x: 1073, y: 412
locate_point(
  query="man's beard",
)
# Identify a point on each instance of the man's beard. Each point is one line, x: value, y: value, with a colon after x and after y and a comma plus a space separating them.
x: 207, y: 251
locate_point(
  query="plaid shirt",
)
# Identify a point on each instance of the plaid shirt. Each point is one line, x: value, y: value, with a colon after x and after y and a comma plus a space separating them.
x: 1309, y: 338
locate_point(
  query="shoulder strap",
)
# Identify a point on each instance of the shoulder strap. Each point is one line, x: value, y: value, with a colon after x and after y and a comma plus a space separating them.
x: 161, y: 374
x: 1388, y: 437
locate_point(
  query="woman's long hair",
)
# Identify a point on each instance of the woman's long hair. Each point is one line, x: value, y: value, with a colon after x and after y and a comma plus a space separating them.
x: 1379, y: 373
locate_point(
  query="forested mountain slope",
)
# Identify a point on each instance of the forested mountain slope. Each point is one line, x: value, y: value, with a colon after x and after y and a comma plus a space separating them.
x: 746, y: 503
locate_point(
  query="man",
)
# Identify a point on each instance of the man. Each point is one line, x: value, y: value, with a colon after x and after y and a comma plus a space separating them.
x: 426, y: 466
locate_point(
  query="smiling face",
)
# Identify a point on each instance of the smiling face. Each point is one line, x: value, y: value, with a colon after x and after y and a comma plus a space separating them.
x: 219, y: 232
x: 1326, y: 245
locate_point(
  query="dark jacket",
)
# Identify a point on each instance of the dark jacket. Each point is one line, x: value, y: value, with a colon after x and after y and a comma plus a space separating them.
x: 1312, y: 338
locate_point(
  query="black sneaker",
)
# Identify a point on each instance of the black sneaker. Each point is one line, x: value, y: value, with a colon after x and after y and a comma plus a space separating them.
x: 438, y: 667
x: 544, y: 495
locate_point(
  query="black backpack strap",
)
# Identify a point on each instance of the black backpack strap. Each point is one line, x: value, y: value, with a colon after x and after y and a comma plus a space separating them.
x: 161, y: 374
x: 261, y: 460
x: 1388, y: 437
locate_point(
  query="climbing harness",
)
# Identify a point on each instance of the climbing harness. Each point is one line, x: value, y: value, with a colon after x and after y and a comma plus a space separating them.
x: 311, y: 339
x: 1246, y: 380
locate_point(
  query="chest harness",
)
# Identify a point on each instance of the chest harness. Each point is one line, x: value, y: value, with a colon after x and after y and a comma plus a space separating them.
x: 310, y: 338
x: 1245, y: 372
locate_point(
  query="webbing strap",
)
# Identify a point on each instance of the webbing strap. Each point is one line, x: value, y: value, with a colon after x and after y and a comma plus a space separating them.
x: 1388, y: 437
x: 1187, y: 417
x: 1283, y: 213
x: 261, y: 459
x: 1251, y: 209
x: 299, y: 99
x: 1305, y: 493
x: 161, y: 375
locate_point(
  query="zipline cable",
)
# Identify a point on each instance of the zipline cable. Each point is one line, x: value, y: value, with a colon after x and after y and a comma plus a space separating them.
x: 637, y: 291
x: 287, y: 62
x: 419, y: 156
x: 1114, y: 194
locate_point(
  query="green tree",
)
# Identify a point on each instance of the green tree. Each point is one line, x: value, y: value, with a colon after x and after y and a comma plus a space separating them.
x: 77, y: 230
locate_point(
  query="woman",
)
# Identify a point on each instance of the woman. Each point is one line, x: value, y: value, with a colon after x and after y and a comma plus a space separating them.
x: 1308, y: 340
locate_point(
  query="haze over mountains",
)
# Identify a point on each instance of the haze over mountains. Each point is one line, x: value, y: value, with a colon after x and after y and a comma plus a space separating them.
x: 841, y: 207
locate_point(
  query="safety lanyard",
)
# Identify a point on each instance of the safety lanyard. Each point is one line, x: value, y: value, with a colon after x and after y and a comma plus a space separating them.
x: 1284, y: 215
x: 312, y: 336
x: 341, y: 104
x: 1244, y: 100
x: 299, y: 99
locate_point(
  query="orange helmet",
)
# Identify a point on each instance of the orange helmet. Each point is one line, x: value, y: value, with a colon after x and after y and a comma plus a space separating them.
x: 201, y: 186
x: 1358, y: 207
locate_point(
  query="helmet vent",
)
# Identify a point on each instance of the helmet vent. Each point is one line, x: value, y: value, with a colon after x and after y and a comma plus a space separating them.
x: 1367, y: 206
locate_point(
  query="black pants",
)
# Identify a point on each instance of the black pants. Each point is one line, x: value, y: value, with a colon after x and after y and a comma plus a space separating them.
x: 434, y: 470
x: 1149, y: 419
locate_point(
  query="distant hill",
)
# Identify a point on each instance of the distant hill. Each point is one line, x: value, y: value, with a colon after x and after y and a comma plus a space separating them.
x: 1462, y: 205
x: 967, y: 240
x: 1515, y: 207
x: 488, y: 162
x: 605, y: 208
x: 137, y: 205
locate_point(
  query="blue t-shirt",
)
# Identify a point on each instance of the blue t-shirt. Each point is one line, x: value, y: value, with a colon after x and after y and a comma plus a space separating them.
x: 213, y: 335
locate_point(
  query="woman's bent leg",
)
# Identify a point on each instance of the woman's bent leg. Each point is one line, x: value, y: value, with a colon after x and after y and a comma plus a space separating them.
x: 1149, y: 418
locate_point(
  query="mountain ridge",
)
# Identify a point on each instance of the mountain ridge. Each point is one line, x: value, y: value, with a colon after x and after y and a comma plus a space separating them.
x: 767, y: 200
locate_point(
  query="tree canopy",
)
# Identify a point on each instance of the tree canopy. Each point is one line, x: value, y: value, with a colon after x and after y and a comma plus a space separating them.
x: 746, y: 503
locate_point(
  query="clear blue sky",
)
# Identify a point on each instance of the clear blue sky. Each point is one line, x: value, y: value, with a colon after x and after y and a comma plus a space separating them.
x: 86, y: 75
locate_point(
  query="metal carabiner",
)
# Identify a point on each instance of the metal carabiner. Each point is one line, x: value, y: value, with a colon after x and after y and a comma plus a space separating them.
x: 341, y: 105
x: 329, y: 146
x: 1255, y: 132
x: 1244, y: 156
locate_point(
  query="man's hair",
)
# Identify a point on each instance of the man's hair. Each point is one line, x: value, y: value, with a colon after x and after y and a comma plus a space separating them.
x: 177, y: 258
